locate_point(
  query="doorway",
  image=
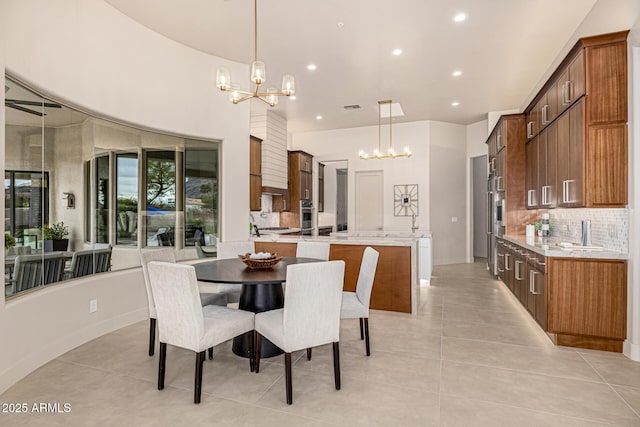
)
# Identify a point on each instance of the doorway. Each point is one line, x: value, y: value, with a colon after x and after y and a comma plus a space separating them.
x: 369, y: 206
x: 479, y: 174
x: 341, y: 199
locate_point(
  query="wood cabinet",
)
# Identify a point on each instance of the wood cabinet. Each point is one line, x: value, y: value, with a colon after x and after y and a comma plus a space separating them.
x: 320, y: 187
x: 580, y: 302
x: 255, y: 173
x: 587, y: 302
x: 300, y: 187
x: 532, y: 173
x: 580, y: 115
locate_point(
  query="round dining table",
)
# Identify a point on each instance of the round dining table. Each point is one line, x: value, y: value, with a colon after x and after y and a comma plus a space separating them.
x: 261, y: 291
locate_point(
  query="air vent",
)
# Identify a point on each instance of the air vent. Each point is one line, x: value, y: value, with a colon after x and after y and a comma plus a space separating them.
x: 352, y: 107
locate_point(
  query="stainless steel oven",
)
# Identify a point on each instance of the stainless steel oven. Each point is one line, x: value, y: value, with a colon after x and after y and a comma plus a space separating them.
x: 306, y: 217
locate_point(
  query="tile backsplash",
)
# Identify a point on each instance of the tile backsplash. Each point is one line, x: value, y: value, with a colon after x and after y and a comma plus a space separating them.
x: 609, y: 227
x: 266, y: 218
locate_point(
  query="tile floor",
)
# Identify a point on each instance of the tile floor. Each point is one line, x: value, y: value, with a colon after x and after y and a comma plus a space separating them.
x: 473, y: 357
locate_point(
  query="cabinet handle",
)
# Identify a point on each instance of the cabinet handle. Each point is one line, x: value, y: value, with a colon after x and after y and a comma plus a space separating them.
x: 545, y: 194
x: 532, y: 285
x: 530, y: 129
x: 499, y: 141
x: 544, y: 115
x: 530, y: 194
x: 506, y: 262
x: 566, y: 97
x: 500, y: 254
x: 284, y: 204
x: 499, y: 183
x: 565, y: 191
x: 500, y: 270
x: 518, y: 270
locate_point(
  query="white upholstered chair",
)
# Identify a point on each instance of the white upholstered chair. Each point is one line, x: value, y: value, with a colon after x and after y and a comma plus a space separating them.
x: 227, y: 250
x: 355, y: 305
x: 310, y: 317
x: 317, y: 250
x: 183, y: 322
x: 167, y: 255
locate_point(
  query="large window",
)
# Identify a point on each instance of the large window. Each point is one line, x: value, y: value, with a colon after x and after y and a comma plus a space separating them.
x: 98, y: 188
x: 26, y: 200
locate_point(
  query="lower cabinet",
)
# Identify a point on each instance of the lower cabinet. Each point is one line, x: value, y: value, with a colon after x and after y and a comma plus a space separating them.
x: 579, y: 302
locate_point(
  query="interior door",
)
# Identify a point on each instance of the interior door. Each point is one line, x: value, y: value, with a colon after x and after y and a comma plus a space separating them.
x: 369, y: 207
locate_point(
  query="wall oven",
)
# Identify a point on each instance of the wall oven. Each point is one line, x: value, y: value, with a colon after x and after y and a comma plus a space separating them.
x: 306, y: 217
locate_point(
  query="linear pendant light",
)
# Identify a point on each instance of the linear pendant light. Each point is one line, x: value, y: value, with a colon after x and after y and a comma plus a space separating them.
x: 377, y: 153
x: 258, y: 76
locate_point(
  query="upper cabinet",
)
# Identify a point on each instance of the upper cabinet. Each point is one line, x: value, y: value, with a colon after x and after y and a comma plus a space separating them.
x: 320, y: 187
x: 255, y: 174
x: 577, y: 131
x: 300, y: 181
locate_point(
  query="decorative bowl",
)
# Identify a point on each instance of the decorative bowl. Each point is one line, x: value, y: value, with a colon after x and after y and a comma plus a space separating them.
x: 260, y: 263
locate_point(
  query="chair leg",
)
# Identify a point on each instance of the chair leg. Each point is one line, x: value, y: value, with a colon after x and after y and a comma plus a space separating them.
x: 309, y: 353
x: 152, y: 336
x: 198, y: 380
x: 287, y: 373
x: 252, y: 352
x: 361, y: 330
x: 336, y: 363
x: 161, y: 364
x: 366, y: 335
x: 210, y: 353
x: 258, y: 349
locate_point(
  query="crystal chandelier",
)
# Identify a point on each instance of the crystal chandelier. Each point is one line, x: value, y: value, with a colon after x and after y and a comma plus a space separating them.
x: 377, y: 153
x: 258, y: 76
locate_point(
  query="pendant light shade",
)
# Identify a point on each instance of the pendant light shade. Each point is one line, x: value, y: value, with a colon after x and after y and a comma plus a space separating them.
x: 258, y: 72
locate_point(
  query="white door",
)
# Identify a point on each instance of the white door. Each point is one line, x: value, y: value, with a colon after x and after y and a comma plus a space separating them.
x: 369, y: 208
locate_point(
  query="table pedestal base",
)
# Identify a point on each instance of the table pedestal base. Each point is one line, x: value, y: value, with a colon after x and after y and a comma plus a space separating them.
x: 259, y: 298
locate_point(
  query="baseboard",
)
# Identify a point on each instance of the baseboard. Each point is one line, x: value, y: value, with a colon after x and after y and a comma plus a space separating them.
x: 632, y: 351
x: 38, y: 357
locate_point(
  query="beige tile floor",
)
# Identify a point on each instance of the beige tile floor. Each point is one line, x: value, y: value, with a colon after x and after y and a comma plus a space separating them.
x: 472, y: 357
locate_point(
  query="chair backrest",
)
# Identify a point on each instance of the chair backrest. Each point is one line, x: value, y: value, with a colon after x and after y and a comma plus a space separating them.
x: 366, y: 275
x: 228, y: 250
x: 162, y: 255
x: 201, y: 253
x: 31, y: 271
x: 90, y: 261
x: 166, y: 238
x: 19, y: 250
x: 317, y: 250
x: 312, y: 303
x: 177, y: 298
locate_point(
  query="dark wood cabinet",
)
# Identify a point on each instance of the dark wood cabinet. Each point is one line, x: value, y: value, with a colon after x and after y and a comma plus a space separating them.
x: 255, y: 173
x: 587, y: 130
x: 300, y: 187
x: 532, y: 173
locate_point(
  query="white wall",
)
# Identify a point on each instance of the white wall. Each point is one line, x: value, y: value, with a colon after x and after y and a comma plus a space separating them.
x: 346, y: 143
x: 448, y: 192
x: 88, y: 54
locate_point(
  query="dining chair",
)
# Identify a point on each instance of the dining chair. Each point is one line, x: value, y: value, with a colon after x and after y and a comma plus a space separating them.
x: 90, y: 261
x: 228, y: 250
x: 318, y: 250
x: 31, y: 271
x: 355, y: 305
x: 168, y: 255
x: 310, y: 317
x: 185, y: 323
x: 204, y: 254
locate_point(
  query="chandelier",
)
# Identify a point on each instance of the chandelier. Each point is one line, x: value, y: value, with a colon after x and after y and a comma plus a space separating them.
x: 258, y: 77
x: 377, y: 153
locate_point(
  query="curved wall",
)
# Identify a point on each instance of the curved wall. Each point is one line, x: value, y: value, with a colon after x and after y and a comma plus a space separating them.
x: 88, y: 54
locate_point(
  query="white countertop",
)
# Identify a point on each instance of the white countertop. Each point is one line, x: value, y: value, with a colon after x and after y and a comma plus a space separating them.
x: 550, y: 248
x: 384, y: 233
x: 282, y: 231
x: 340, y: 240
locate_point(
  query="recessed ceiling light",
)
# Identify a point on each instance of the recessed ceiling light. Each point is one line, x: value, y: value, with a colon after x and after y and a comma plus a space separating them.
x: 456, y: 73
x: 397, y: 52
x: 312, y: 67
x: 318, y: 117
x: 340, y: 24
x: 460, y: 17
x: 455, y: 103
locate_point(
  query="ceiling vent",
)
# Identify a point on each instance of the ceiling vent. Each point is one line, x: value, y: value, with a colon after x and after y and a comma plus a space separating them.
x: 352, y: 107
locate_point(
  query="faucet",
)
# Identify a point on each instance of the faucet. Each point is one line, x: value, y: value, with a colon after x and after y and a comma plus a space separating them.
x: 414, y: 226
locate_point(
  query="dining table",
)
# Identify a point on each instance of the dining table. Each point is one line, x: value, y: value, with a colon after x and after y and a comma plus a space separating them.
x: 261, y: 291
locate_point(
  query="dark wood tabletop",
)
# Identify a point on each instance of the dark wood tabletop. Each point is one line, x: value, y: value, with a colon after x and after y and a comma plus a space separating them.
x: 233, y: 270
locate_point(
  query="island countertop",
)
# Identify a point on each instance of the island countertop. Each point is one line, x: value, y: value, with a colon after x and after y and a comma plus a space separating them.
x: 346, y: 240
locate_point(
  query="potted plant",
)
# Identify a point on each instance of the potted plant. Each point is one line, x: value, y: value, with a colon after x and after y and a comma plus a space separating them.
x: 9, y: 241
x: 56, y: 237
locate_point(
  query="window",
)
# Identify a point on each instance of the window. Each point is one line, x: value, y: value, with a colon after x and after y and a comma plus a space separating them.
x: 127, y: 199
x: 201, y: 196
x: 26, y: 204
x: 102, y: 199
x: 161, y: 198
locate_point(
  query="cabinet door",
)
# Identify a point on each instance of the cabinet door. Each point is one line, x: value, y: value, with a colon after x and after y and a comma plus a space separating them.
x: 255, y: 156
x: 304, y: 162
x: 531, y: 180
x: 540, y: 312
x: 541, y: 140
x: 531, y: 297
x: 500, y: 137
x: 549, y: 192
x: 561, y: 91
x: 255, y: 192
x: 577, y: 77
x: 508, y: 267
x: 500, y: 171
x: 541, y: 113
x: 519, y: 269
x: 552, y: 104
x: 321, y: 195
x: 570, y: 145
x: 531, y: 124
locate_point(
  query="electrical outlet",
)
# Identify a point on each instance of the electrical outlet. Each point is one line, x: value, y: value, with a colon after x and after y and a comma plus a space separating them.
x: 613, y: 231
x: 93, y: 306
x: 454, y: 219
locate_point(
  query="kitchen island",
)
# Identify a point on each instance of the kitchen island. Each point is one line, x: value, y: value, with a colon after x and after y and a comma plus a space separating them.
x: 396, y: 286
